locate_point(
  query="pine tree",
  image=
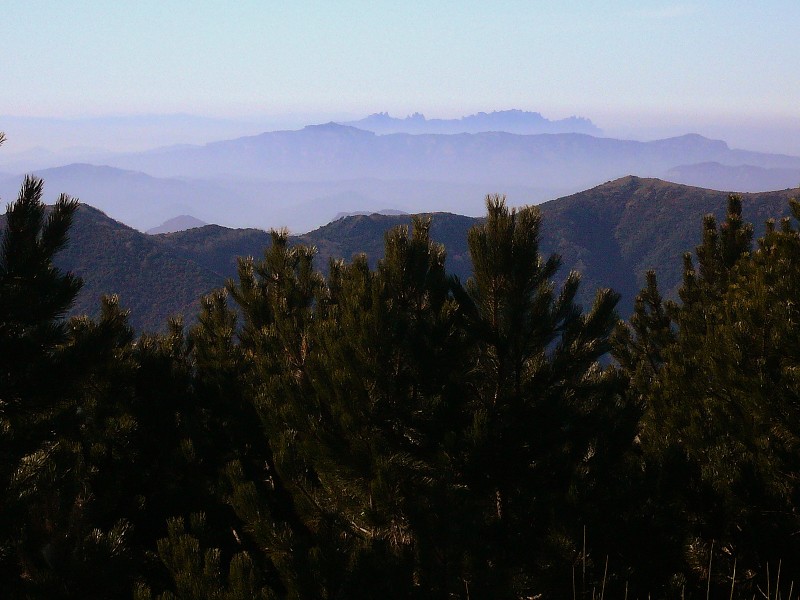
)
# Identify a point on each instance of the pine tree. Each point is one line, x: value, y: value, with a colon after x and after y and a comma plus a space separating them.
x: 77, y: 456
x: 54, y: 535
x: 198, y: 573
x: 405, y: 437
x: 34, y: 295
x: 388, y: 378
x: 277, y: 297
x: 717, y: 386
x: 357, y: 384
x: 538, y: 395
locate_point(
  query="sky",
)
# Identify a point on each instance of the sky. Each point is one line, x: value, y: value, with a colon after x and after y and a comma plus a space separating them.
x: 638, y: 68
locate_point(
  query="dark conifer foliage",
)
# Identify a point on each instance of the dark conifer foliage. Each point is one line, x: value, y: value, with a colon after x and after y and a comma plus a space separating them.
x: 35, y: 294
x: 49, y: 543
x: 538, y: 398
x: 715, y: 376
x: 360, y: 467
x: 392, y: 433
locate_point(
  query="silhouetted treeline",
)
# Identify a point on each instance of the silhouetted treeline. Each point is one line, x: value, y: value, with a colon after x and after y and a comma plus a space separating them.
x: 396, y: 433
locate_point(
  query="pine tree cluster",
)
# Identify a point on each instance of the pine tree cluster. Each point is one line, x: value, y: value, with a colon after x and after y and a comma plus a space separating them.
x: 392, y: 433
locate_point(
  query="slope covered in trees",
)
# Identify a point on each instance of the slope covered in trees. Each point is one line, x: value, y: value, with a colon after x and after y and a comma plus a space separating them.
x: 715, y: 376
x: 390, y: 432
x: 612, y: 234
x: 153, y: 280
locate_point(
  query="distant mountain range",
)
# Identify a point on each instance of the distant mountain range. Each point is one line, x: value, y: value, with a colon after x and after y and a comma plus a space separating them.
x: 611, y: 233
x: 510, y: 121
x: 304, y: 178
x: 332, y: 152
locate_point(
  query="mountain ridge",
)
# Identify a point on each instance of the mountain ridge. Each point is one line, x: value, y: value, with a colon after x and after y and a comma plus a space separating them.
x: 612, y: 233
x: 512, y: 121
x: 333, y: 152
x: 304, y: 178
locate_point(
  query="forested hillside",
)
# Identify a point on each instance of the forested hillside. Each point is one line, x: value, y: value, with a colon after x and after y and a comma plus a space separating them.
x: 611, y: 234
x: 614, y: 233
x: 391, y: 432
x: 153, y: 280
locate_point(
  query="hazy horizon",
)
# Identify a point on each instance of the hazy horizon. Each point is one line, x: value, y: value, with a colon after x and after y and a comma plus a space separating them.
x: 107, y: 132
x: 106, y: 83
x: 638, y: 69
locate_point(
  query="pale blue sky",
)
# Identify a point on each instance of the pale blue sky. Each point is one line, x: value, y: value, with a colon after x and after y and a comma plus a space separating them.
x: 625, y: 64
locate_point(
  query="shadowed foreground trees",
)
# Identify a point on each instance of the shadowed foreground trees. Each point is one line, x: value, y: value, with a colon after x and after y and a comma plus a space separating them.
x: 720, y: 433
x: 392, y: 433
x: 49, y: 540
x: 414, y: 432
